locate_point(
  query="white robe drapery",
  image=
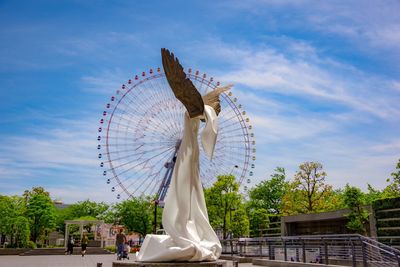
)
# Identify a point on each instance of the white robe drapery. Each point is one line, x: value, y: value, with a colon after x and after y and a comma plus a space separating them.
x: 190, y: 236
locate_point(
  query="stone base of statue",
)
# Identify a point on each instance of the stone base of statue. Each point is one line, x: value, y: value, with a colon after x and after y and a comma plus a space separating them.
x: 218, y: 263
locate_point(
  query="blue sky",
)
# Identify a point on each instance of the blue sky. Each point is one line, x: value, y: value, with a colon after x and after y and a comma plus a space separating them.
x: 320, y: 81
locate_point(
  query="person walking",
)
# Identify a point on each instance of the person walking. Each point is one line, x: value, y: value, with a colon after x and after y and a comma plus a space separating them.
x: 84, y: 242
x: 119, y: 243
x: 70, y: 245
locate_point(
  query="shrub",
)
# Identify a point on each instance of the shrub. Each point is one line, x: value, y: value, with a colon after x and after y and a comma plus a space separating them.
x: 111, y: 248
x: 31, y: 245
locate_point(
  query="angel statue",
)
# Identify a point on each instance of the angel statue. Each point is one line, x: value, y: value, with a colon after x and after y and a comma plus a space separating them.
x: 190, y: 236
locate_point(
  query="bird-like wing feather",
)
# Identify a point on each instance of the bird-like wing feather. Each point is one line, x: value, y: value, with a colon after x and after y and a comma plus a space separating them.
x: 183, y: 88
x: 212, y: 98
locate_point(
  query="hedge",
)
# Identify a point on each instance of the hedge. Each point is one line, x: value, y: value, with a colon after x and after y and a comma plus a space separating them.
x: 387, y: 203
x: 389, y: 232
x: 387, y: 214
x: 394, y: 223
x: 390, y: 241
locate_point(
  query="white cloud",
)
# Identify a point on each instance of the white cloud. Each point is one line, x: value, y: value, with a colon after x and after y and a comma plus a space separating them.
x: 55, y: 156
x: 282, y: 91
x: 313, y: 78
x: 370, y: 25
x: 105, y: 82
x: 272, y: 129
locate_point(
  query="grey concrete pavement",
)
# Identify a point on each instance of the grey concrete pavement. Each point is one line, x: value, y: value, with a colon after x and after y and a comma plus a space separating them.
x: 66, y: 261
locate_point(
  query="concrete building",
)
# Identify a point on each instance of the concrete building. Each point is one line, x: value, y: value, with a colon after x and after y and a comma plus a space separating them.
x: 323, y: 223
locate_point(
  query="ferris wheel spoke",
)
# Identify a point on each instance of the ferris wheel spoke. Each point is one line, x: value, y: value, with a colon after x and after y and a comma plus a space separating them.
x: 136, y: 177
x: 139, y: 182
x: 232, y: 130
x: 230, y: 124
x: 136, y: 140
x: 118, y: 131
x: 140, y: 163
x: 233, y: 160
x: 230, y: 115
x: 158, y: 95
x: 154, y: 180
x: 223, y: 137
x: 133, y: 158
x: 173, y: 114
x: 138, y: 152
x: 154, y: 177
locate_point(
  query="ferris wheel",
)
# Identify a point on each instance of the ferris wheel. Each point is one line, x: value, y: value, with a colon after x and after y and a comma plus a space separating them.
x: 141, y: 129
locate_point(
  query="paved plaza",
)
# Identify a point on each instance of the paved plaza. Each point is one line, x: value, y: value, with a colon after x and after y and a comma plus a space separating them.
x: 66, y: 261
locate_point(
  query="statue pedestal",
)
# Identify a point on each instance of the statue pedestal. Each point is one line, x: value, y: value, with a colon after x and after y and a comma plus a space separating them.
x: 218, y: 263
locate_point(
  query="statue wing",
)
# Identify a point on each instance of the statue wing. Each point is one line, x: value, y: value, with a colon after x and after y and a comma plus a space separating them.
x: 212, y: 98
x: 183, y: 88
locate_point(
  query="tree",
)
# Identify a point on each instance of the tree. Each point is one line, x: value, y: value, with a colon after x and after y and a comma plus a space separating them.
x: 259, y: 221
x: 136, y: 214
x: 42, y: 215
x: 358, y: 216
x: 393, y: 189
x: 223, y: 200
x: 38, y: 190
x: 240, y: 225
x: 12, y: 221
x: 308, y: 192
x: 89, y: 208
x: 374, y: 194
x: 268, y: 194
x: 85, y: 209
x: 22, y: 231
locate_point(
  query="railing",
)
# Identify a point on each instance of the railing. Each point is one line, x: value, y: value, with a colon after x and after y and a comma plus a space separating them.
x: 352, y: 250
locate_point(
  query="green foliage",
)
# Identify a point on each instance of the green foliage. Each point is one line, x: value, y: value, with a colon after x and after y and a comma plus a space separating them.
x: 35, y: 191
x: 31, y: 245
x: 21, y: 231
x: 259, y: 221
x: 223, y: 201
x: 387, y: 203
x: 393, y: 189
x: 386, y: 215
x: 388, y: 232
x: 136, y: 214
x: 308, y: 193
x: 85, y: 209
x: 42, y: 215
x: 358, y: 217
x: 112, y: 249
x: 12, y: 220
x: 89, y: 208
x: 240, y: 223
x: 373, y: 195
x: 268, y: 194
x: 391, y: 223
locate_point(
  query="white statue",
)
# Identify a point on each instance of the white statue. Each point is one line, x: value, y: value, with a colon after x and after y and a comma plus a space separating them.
x: 190, y: 236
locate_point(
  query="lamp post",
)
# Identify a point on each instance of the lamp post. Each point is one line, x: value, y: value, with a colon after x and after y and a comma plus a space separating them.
x: 155, y: 216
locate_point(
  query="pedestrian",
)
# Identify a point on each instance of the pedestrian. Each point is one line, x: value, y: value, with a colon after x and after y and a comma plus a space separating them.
x: 84, y: 242
x: 119, y: 243
x: 70, y: 245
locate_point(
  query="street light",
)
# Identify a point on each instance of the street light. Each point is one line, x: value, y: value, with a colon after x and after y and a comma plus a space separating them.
x: 155, y: 216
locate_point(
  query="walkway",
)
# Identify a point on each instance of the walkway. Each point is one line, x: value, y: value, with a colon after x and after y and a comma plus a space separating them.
x: 65, y: 261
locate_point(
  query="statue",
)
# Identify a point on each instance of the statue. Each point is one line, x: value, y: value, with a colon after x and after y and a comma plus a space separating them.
x: 190, y: 236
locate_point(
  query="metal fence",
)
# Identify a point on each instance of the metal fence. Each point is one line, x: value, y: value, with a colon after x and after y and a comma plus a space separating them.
x: 352, y: 250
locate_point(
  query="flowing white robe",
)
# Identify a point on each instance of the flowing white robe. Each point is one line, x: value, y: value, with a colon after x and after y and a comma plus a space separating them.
x: 190, y: 236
